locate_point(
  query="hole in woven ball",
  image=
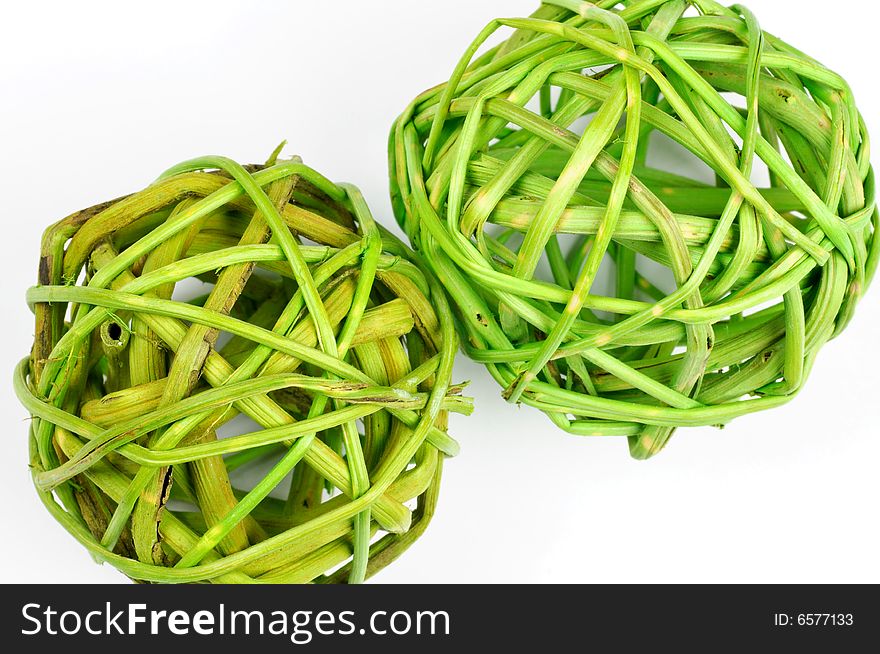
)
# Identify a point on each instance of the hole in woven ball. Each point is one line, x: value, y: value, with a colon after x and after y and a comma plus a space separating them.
x: 764, y: 306
x: 222, y: 341
x: 654, y: 279
x: 245, y: 476
x: 238, y: 426
x: 657, y: 274
x: 243, y: 479
x: 580, y: 125
x: 248, y: 475
x: 597, y: 71
x: 192, y: 291
x: 309, y: 243
x: 555, y: 92
x: 798, y: 218
x: 668, y: 155
x: 114, y: 331
x: 760, y: 175
x: 178, y: 505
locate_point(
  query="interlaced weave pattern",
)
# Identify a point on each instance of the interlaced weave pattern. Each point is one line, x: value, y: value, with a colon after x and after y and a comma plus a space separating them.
x: 223, y: 292
x: 532, y: 167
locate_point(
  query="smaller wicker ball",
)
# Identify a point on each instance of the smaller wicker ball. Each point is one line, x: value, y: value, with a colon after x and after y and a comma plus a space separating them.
x: 266, y: 295
x: 594, y: 195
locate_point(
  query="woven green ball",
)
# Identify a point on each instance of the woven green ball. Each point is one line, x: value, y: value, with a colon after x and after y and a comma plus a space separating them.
x: 535, y: 165
x: 220, y: 291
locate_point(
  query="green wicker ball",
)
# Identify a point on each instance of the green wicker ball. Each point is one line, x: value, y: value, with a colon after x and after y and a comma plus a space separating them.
x: 617, y: 293
x: 265, y: 295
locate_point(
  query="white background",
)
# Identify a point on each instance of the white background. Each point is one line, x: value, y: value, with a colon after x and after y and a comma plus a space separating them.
x: 99, y: 98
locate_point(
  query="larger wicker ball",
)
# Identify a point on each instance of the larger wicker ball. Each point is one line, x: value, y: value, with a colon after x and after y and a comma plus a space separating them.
x: 535, y: 165
x: 221, y: 291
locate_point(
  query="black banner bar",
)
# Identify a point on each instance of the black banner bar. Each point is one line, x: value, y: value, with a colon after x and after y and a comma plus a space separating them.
x: 433, y: 618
